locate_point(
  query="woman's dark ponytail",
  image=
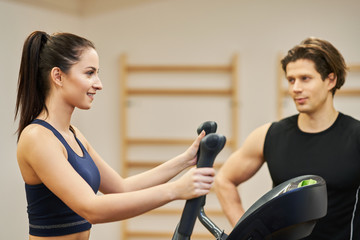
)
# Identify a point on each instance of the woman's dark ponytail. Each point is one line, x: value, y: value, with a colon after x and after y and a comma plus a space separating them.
x: 31, y: 96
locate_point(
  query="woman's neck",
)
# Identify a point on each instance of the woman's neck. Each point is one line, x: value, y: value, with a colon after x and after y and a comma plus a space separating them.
x: 58, y: 115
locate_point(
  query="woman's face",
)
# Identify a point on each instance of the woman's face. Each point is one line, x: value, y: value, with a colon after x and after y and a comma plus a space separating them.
x: 82, y: 81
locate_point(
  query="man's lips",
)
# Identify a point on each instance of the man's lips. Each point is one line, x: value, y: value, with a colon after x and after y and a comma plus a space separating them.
x: 300, y: 100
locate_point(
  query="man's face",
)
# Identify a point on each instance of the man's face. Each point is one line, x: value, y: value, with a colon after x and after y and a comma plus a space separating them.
x: 309, y: 91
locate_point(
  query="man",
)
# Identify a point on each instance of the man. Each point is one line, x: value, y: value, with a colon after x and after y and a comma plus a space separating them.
x: 319, y: 140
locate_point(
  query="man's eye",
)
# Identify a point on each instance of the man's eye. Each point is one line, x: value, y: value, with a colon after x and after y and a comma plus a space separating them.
x: 305, y: 78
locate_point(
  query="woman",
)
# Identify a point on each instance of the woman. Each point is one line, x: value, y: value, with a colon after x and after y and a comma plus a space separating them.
x: 61, y: 170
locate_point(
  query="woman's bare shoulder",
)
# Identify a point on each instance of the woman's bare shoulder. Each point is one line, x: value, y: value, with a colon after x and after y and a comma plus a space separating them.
x: 36, y: 140
x: 35, y: 144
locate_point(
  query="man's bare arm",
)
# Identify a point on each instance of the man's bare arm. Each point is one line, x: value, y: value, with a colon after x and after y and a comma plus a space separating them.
x: 239, y: 167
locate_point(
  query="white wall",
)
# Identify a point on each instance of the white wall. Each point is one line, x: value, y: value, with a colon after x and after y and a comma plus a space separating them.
x: 16, y: 23
x: 200, y: 31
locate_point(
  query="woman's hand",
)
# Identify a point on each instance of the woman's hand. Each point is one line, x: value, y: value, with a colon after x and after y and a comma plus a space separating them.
x: 190, y: 155
x: 194, y: 183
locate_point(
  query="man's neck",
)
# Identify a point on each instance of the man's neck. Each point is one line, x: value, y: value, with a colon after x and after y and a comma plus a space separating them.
x: 317, y: 122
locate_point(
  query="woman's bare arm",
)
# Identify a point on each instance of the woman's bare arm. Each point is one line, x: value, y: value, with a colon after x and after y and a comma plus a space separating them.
x: 40, y: 151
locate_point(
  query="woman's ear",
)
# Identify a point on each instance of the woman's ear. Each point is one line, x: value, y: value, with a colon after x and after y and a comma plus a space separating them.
x: 56, y: 76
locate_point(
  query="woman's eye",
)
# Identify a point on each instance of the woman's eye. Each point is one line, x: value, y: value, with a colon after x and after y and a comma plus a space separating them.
x: 90, y: 73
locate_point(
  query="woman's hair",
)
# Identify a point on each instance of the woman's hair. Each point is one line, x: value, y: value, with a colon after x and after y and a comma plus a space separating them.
x: 326, y: 57
x: 41, y: 53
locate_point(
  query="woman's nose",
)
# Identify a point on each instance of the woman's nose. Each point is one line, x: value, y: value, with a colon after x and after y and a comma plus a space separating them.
x: 98, y: 84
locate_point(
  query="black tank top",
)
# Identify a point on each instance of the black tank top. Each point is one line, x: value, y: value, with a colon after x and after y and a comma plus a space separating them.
x: 48, y: 215
x: 333, y: 154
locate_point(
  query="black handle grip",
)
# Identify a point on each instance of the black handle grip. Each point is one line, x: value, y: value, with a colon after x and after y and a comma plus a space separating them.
x: 208, y: 127
x: 210, y: 146
x: 193, y: 204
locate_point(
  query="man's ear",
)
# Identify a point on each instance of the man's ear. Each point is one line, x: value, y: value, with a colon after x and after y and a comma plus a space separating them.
x: 56, y: 75
x: 332, y: 80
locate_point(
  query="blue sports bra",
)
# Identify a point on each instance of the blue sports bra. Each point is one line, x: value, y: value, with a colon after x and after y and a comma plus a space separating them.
x: 48, y: 215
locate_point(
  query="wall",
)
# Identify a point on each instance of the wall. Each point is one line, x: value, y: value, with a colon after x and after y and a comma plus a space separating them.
x: 168, y: 32
x: 16, y: 23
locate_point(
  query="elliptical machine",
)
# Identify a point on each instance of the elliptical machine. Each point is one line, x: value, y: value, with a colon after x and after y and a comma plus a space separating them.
x: 287, y: 212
